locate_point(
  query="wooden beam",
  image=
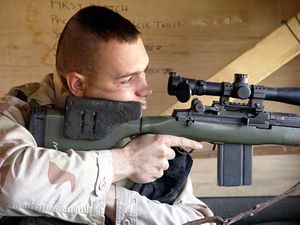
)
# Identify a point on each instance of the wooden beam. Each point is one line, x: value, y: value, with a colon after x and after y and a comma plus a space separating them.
x: 264, y: 58
x: 257, y: 150
x: 272, y: 175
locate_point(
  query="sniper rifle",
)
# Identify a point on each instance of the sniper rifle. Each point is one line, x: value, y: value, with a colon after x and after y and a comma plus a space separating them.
x: 89, y: 123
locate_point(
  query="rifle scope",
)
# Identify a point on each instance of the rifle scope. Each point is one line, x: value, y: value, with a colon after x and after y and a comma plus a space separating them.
x: 183, y: 88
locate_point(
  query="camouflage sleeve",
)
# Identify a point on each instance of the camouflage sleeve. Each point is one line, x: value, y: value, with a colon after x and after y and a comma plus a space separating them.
x: 136, y: 209
x: 35, y: 181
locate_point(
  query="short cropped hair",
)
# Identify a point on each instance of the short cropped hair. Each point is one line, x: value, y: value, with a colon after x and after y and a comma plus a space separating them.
x: 78, y: 45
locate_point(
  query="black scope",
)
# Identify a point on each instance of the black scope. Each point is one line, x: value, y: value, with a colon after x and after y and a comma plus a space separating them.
x: 183, y: 88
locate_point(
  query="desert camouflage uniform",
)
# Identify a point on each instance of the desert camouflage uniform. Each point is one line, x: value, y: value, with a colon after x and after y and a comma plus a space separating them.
x: 70, y: 185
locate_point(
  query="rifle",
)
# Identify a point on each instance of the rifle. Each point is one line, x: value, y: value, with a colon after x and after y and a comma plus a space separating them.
x: 89, y: 123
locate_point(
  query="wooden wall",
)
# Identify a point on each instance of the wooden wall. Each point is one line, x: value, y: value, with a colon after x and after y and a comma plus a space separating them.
x: 196, y: 38
x: 272, y: 175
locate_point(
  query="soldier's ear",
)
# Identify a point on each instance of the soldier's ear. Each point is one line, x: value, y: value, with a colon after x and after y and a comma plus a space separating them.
x: 76, y: 83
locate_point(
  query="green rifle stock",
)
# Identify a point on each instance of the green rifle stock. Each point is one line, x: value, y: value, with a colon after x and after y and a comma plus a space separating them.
x: 200, y: 131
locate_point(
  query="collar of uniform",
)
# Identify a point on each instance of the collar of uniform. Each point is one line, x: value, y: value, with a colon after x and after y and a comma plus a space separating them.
x: 51, y: 92
x: 60, y: 90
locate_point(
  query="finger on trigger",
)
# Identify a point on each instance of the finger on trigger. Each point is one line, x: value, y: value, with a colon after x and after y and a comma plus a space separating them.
x: 186, y: 143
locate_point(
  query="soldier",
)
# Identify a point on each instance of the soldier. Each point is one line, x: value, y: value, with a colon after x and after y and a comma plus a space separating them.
x: 100, y: 54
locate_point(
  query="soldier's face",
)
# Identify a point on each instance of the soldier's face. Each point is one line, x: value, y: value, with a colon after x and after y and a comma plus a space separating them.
x: 121, y: 74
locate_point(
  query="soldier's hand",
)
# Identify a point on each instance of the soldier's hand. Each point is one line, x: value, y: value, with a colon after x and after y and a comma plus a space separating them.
x: 147, y: 155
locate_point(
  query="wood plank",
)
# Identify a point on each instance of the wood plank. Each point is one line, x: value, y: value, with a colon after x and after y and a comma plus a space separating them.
x: 257, y: 150
x: 272, y: 175
x: 267, y: 56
